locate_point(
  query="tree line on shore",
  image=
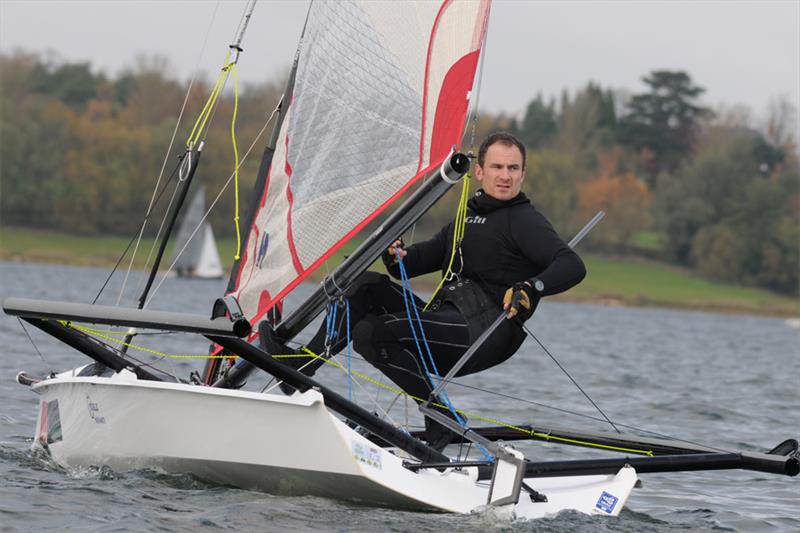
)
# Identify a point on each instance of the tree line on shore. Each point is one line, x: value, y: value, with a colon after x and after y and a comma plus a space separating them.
x: 80, y: 152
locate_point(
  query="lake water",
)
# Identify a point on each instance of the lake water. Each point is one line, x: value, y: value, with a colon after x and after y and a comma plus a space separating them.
x: 728, y: 381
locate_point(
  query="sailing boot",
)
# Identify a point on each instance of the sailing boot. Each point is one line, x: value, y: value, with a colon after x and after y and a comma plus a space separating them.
x: 438, y: 436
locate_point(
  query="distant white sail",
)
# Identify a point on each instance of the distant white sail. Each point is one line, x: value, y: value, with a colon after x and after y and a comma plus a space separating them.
x: 380, y: 96
x: 198, y: 257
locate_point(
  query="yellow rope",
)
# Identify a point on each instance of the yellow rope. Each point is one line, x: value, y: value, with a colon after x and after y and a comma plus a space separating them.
x: 107, y: 336
x: 199, y: 127
x: 473, y: 416
x: 205, y: 114
x: 460, y: 224
x: 359, y: 375
x: 236, y: 163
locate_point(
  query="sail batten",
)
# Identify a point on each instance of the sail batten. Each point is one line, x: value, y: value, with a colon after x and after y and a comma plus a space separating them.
x: 380, y: 96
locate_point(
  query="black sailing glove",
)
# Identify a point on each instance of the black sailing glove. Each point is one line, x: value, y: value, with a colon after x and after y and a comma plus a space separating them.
x: 521, y: 300
x: 390, y: 259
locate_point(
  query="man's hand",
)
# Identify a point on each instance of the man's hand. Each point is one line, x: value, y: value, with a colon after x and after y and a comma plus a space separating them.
x: 389, y: 257
x: 517, y: 301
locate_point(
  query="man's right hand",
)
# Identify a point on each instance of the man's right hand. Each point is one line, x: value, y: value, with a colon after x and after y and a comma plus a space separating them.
x: 517, y: 301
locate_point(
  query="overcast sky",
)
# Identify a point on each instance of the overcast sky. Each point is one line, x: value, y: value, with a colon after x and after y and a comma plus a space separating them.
x: 742, y: 52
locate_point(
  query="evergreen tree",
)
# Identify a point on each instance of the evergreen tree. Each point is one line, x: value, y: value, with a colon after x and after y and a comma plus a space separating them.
x: 539, y: 123
x: 72, y: 83
x: 662, y: 124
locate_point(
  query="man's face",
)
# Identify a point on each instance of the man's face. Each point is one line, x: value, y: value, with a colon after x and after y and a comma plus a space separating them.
x: 501, y: 173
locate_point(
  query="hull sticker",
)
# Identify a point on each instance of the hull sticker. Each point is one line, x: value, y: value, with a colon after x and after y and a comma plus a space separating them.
x: 606, y: 502
x: 94, y: 411
x: 368, y: 455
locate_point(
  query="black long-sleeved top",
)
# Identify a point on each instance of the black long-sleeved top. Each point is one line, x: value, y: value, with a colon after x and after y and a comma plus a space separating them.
x: 505, y: 242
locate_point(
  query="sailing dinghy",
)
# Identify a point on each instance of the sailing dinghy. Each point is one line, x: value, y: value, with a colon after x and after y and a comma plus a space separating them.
x: 374, y: 110
x: 195, y: 254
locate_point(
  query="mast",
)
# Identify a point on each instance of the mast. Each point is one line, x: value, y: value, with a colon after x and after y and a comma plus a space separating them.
x: 337, y: 283
x: 266, y: 157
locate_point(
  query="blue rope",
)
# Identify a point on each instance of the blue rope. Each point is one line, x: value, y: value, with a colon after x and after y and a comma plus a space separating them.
x: 331, y: 334
x: 330, y: 322
x: 408, y: 300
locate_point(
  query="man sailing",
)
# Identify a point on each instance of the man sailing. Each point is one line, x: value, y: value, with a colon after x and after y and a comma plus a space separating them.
x: 510, y: 256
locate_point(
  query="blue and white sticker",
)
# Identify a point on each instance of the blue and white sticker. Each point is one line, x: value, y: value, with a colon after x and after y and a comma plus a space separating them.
x: 607, y: 502
x: 368, y: 455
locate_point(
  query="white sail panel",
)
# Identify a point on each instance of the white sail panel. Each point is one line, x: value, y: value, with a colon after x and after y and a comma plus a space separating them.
x: 195, y: 254
x: 380, y: 96
x: 208, y: 264
x: 187, y: 249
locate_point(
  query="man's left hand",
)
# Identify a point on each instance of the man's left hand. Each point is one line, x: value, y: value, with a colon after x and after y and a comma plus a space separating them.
x: 517, y: 301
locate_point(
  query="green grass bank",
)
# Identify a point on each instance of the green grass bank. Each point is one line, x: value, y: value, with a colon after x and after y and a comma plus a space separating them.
x: 611, y: 281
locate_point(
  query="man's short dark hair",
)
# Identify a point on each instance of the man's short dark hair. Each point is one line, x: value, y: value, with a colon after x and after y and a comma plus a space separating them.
x: 503, y: 138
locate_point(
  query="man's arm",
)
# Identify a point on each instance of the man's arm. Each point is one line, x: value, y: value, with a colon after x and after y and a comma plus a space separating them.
x: 560, y: 267
x: 420, y: 258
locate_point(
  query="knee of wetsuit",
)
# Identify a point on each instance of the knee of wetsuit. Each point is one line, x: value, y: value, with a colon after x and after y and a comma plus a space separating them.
x: 370, y: 336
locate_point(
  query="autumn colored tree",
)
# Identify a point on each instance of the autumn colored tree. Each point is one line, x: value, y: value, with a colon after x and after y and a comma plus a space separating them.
x: 550, y: 179
x: 622, y: 195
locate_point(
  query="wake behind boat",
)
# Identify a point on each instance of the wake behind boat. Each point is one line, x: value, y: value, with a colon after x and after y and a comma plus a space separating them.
x: 374, y: 111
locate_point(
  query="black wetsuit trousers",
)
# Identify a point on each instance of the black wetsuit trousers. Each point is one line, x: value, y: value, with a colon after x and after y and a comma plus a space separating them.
x: 382, y: 334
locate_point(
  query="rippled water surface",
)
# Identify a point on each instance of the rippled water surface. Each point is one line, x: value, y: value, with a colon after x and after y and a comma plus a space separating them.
x: 730, y: 381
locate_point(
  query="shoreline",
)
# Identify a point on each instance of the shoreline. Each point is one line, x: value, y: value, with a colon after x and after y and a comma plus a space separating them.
x: 608, y: 299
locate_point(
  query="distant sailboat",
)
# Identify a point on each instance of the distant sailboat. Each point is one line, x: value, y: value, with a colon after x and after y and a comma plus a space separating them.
x: 196, y: 256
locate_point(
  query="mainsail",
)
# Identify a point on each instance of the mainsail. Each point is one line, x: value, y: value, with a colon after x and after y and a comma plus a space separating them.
x: 380, y: 96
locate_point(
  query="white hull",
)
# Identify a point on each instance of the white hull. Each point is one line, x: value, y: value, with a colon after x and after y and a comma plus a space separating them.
x: 282, y: 445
